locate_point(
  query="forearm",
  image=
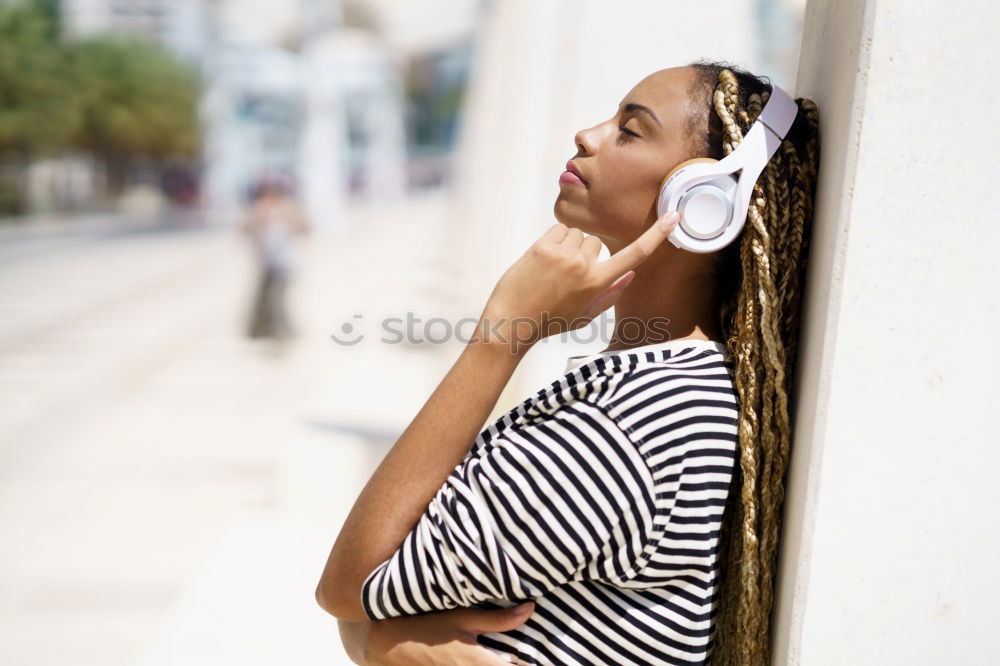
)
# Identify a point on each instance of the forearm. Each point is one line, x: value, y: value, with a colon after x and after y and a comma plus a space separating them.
x: 556, y: 286
x: 354, y: 636
x: 399, y: 491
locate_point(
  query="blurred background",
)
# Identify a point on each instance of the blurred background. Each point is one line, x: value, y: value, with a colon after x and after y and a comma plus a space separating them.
x: 238, y: 240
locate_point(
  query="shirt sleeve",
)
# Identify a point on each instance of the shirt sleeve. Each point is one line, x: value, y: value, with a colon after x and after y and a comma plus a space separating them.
x: 562, y: 499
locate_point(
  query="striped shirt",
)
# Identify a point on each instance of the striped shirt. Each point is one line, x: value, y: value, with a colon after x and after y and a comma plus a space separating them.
x: 601, y: 499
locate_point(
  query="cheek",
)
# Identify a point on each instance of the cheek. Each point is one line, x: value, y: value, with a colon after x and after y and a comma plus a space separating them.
x: 624, y: 200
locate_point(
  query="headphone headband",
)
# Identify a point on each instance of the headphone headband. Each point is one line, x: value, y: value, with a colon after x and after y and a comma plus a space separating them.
x: 779, y: 112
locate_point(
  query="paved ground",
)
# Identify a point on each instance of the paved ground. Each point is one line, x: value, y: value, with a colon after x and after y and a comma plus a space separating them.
x: 168, y: 489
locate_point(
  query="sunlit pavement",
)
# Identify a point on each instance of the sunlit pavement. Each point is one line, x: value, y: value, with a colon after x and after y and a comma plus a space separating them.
x: 168, y: 489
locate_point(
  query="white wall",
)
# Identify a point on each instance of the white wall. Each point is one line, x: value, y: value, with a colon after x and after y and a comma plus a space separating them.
x: 892, y: 537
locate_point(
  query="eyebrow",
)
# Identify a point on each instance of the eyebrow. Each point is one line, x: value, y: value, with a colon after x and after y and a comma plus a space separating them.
x: 640, y: 107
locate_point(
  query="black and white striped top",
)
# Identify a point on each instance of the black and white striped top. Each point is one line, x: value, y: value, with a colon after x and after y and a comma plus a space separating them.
x: 600, y: 498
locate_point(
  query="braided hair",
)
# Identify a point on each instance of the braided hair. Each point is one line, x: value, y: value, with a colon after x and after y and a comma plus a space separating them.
x: 759, y: 278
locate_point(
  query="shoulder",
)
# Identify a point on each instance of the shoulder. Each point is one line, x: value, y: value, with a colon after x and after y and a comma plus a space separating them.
x: 644, y: 382
x: 687, y: 404
x: 641, y: 401
x: 626, y: 385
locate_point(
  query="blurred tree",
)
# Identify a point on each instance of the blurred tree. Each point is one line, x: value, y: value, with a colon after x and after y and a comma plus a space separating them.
x: 39, y: 108
x: 39, y: 103
x: 139, y: 104
x: 122, y: 99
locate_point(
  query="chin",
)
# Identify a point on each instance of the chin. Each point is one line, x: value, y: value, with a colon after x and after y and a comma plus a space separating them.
x: 570, y: 215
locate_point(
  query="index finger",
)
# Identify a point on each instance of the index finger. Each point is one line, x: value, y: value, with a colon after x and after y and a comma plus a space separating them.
x: 638, y: 250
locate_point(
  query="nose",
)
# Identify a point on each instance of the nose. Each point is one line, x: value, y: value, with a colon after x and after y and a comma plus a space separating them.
x: 586, y: 141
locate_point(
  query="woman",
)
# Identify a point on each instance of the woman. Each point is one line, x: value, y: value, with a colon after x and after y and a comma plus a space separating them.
x: 635, y: 502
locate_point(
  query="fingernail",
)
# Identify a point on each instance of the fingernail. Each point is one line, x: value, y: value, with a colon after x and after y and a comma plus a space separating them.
x: 523, y: 609
x: 668, y: 220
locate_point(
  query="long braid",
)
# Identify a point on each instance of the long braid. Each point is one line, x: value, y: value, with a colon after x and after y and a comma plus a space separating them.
x: 760, y: 282
x: 775, y: 410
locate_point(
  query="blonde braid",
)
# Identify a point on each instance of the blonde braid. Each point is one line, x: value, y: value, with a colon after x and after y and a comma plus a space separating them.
x: 761, y: 335
x: 776, y: 410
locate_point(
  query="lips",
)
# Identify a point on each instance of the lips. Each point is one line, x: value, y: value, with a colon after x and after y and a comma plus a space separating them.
x: 572, y: 169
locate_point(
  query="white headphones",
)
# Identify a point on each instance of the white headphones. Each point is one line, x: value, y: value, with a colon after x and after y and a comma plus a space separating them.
x: 713, y: 202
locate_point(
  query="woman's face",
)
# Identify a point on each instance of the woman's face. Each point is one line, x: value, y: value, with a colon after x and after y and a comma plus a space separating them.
x: 625, y: 158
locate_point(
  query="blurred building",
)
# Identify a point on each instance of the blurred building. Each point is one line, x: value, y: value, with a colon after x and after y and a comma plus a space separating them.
x: 87, y: 17
x: 318, y: 90
x: 329, y: 113
x: 779, y: 29
x: 251, y: 114
x: 436, y: 84
x: 181, y: 25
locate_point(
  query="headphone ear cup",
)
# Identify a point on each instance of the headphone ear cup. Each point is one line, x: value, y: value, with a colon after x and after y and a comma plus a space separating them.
x: 694, y: 160
x: 706, y: 208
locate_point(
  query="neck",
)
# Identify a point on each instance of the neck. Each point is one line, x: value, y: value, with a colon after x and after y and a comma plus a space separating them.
x: 664, y: 302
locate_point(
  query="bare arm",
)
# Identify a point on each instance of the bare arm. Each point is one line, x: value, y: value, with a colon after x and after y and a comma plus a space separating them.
x: 447, y: 637
x: 559, y: 282
x: 412, y: 472
x: 354, y: 636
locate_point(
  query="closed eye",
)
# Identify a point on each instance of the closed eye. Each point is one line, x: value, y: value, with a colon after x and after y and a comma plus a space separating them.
x: 626, y: 135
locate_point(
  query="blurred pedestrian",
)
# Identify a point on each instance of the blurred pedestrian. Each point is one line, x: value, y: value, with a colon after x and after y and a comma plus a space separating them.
x: 272, y: 222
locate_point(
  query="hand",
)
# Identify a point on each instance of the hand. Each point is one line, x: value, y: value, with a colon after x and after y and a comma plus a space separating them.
x: 558, y: 285
x: 445, y: 638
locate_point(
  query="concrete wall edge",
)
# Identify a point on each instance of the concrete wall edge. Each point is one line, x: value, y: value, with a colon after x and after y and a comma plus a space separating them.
x: 813, y: 375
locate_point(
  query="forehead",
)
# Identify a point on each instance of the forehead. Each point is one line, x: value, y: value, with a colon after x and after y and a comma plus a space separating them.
x: 664, y: 91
